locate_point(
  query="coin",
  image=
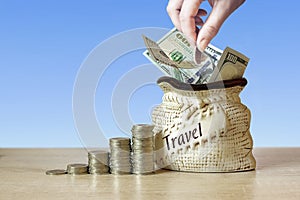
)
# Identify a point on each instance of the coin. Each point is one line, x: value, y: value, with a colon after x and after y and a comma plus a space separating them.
x: 100, y: 156
x: 142, y: 131
x: 142, y: 149
x: 120, y: 155
x: 98, y: 162
x: 77, y: 169
x: 144, y: 127
x: 56, y: 172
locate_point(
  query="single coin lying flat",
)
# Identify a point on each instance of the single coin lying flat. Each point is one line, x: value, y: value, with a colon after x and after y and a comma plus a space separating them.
x: 56, y: 172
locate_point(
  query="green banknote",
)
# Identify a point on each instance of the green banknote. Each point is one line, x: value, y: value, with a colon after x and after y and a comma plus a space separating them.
x: 176, y: 57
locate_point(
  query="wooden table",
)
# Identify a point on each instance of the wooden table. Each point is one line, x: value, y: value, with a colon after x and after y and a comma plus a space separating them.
x: 22, y: 175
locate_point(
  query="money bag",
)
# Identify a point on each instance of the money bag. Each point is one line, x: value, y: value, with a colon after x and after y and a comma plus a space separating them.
x: 202, y: 128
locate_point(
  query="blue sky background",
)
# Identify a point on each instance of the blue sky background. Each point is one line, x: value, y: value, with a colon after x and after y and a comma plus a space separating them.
x: 44, y: 43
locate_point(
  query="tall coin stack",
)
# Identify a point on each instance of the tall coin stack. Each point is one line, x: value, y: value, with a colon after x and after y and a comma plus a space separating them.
x: 98, y: 162
x: 120, y: 152
x: 142, y: 149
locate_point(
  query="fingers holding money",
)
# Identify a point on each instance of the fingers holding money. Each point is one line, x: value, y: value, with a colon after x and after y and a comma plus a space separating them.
x: 173, y: 9
x: 198, y: 20
x: 220, y: 12
x: 186, y: 16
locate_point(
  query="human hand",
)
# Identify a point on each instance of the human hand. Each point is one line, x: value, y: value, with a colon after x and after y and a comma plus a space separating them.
x: 186, y: 16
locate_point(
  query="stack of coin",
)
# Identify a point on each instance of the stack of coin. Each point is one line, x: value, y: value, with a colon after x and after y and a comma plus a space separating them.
x: 142, y: 149
x: 120, y: 151
x: 77, y: 169
x: 98, y: 162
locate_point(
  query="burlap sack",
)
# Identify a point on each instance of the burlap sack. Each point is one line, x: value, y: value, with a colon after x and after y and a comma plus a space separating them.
x: 202, y: 128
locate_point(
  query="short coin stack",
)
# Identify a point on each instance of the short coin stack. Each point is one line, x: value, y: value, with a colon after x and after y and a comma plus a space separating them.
x: 98, y: 162
x: 77, y: 169
x: 120, y: 152
x: 142, y: 149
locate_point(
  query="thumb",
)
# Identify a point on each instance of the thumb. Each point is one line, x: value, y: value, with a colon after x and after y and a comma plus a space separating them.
x: 212, y: 26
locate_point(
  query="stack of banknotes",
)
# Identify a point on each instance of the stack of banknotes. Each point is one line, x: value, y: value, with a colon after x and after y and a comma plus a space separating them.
x: 176, y: 57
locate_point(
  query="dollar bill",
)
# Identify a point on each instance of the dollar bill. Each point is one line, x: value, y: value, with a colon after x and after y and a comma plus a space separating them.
x: 232, y: 65
x: 176, y: 57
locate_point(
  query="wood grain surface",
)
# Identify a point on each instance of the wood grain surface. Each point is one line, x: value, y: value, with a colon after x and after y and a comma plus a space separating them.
x: 22, y: 176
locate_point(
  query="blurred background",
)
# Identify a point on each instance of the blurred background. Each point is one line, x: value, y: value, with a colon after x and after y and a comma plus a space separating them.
x: 44, y: 43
